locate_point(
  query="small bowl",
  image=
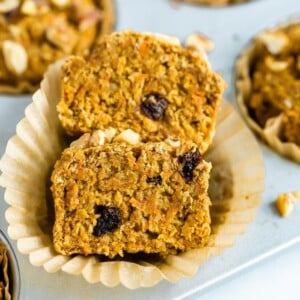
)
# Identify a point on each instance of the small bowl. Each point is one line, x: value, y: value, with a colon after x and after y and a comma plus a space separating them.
x: 13, y: 268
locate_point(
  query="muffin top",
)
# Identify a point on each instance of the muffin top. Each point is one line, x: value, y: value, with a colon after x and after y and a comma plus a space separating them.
x: 35, y: 33
x: 275, y: 84
x: 141, y: 82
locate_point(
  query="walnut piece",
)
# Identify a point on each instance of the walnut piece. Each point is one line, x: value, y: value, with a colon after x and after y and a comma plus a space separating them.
x: 15, y: 57
x: 8, y: 5
x: 274, y: 41
x: 285, y: 202
x: 29, y: 8
x: 96, y: 138
x: 89, y: 19
x: 199, y: 42
x: 62, y: 36
x: 33, y: 7
x: 128, y: 136
x: 276, y: 65
x: 173, y: 143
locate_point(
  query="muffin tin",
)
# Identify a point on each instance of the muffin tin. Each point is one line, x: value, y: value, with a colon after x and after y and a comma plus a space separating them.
x: 230, y: 38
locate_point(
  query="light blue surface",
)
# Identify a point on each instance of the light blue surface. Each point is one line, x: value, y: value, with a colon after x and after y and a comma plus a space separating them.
x: 230, y: 29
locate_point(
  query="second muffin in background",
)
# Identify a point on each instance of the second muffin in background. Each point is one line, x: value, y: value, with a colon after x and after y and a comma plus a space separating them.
x: 268, y: 87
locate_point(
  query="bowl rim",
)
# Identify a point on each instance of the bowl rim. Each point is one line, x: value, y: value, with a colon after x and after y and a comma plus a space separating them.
x: 13, y: 266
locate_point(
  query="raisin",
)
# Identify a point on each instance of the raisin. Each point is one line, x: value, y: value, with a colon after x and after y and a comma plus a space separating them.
x: 190, y: 161
x: 109, y: 220
x: 157, y: 180
x: 154, y: 106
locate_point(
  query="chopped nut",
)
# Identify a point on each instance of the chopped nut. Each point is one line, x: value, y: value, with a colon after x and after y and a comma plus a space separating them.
x: 15, y: 31
x: 285, y: 202
x: 62, y: 36
x: 274, y: 41
x: 61, y: 3
x: 95, y: 138
x: 15, y: 57
x: 29, y: 8
x: 199, y: 42
x: 128, y: 136
x: 8, y: 5
x: 173, y: 143
x: 82, y: 142
x: 276, y: 65
x: 100, y: 140
x: 110, y: 133
x: 89, y: 19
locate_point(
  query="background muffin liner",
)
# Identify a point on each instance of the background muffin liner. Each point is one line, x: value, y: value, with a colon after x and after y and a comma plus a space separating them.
x: 271, y: 132
x: 107, y: 25
x: 218, y: 3
x: 237, y: 181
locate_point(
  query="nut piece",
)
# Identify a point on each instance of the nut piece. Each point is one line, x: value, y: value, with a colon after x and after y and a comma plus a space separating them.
x: 274, y: 41
x: 128, y: 136
x: 15, y: 57
x: 285, y: 202
x: 276, y: 65
x: 87, y: 140
x: 110, y: 133
x: 29, y: 8
x: 96, y: 138
x: 62, y: 36
x: 61, y: 3
x: 8, y: 5
x: 89, y: 19
x: 173, y: 143
x: 201, y: 43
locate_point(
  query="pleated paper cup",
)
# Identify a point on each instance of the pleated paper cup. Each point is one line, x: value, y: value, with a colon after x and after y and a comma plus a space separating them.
x: 237, y: 181
x: 106, y: 26
x: 214, y: 3
x: 272, y: 130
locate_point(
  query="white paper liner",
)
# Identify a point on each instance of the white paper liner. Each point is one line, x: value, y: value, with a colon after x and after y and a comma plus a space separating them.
x: 271, y: 132
x: 237, y: 181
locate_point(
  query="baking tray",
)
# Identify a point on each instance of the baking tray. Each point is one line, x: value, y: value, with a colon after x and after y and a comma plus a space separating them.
x: 231, y: 29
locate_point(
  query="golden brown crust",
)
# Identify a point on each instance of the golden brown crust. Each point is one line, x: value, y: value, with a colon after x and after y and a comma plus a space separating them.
x: 155, y: 209
x: 128, y: 69
x: 39, y: 34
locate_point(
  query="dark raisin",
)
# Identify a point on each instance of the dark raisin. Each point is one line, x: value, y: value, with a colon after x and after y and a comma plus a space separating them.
x: 190, y: 161
x: 157, y: 180
x: 109, y: 220
x: 154, y: 105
